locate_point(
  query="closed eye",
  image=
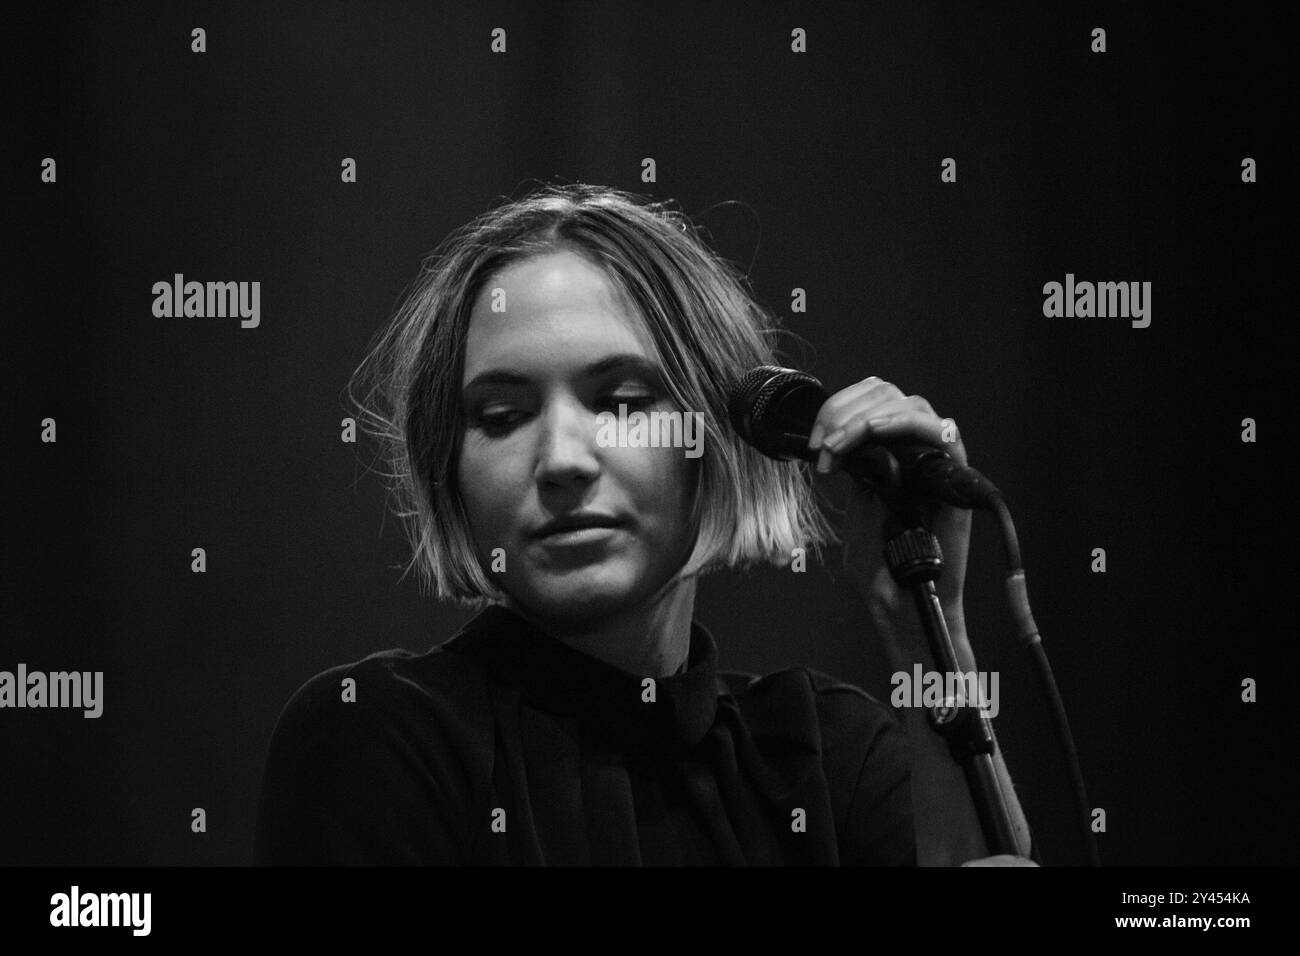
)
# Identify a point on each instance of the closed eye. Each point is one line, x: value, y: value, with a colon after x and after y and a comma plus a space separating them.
x: 499, y: 421
x: 631, y: 400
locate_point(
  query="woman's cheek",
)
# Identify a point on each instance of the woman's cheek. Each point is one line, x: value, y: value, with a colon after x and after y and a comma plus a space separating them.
x: 669, y: 480
x: 477, y: 481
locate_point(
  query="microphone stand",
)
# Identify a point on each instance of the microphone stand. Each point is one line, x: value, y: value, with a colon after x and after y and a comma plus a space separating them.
x: 773, y: 409
x: 915, y: 561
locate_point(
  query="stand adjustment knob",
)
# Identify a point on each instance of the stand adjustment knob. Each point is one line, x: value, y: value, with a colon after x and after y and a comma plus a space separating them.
x: 914, y: 555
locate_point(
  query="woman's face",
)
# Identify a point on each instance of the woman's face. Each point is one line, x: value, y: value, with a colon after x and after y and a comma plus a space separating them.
x: 565, y: 348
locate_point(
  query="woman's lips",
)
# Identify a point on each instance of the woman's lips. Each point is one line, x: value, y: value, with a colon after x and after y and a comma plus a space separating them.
x: 580, y: 537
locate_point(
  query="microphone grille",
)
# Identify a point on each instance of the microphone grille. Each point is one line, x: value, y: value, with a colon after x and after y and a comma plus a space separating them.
x: 755, y: 400
x: 747, y: 392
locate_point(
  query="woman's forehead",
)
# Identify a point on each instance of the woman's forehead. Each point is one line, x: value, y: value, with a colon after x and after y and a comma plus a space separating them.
x: 553, y: 279
x: 552, y: 311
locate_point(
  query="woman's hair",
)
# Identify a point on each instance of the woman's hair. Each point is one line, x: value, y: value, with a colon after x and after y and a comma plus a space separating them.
x: 706, y: 329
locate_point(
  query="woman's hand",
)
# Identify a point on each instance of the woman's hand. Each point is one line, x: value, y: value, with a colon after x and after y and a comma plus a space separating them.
x: 871, y: 410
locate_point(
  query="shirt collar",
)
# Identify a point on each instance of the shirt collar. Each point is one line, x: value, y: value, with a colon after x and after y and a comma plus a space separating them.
x: 556, y: 678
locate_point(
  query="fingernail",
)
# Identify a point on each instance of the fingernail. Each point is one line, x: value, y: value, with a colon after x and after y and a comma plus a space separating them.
x: 824, y: 462
x: 833, y: 439
x: 879, y: 422
x: 815, y: 439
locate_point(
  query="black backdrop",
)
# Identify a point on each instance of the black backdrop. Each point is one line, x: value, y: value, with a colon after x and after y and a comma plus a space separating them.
x: 818, y: 170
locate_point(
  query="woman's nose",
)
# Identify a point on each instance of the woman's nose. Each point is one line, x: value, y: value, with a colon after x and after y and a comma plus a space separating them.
x: 566, y: 450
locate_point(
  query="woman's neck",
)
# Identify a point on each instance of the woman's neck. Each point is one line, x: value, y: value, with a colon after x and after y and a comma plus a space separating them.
x: 650, y: 640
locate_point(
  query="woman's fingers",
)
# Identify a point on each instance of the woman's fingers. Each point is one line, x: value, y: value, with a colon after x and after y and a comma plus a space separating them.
x: 918, y: 420
x: 844, y: 438
x: 841, y: 406
x: 878, y: 412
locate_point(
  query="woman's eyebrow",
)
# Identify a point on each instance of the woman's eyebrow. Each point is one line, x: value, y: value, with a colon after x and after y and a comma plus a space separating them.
x: 622, y: 361
x: 619, y: 361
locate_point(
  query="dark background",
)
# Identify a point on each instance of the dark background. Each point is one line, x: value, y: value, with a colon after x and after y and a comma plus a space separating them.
x: 818, y: 171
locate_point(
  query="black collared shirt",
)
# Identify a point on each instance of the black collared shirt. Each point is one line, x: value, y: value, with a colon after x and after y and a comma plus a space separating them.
x: 504, y: 746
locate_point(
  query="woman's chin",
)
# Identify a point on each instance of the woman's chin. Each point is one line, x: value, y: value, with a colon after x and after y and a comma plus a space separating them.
x: 575, y: 599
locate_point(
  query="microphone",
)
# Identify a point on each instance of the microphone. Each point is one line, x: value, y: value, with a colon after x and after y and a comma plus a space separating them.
x: 774, y: 408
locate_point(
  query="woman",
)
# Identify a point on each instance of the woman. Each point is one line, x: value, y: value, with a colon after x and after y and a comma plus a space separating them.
x: 580, y: 717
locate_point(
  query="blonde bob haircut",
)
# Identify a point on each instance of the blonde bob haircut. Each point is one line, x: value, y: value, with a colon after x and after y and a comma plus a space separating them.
x: 706, y: 330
